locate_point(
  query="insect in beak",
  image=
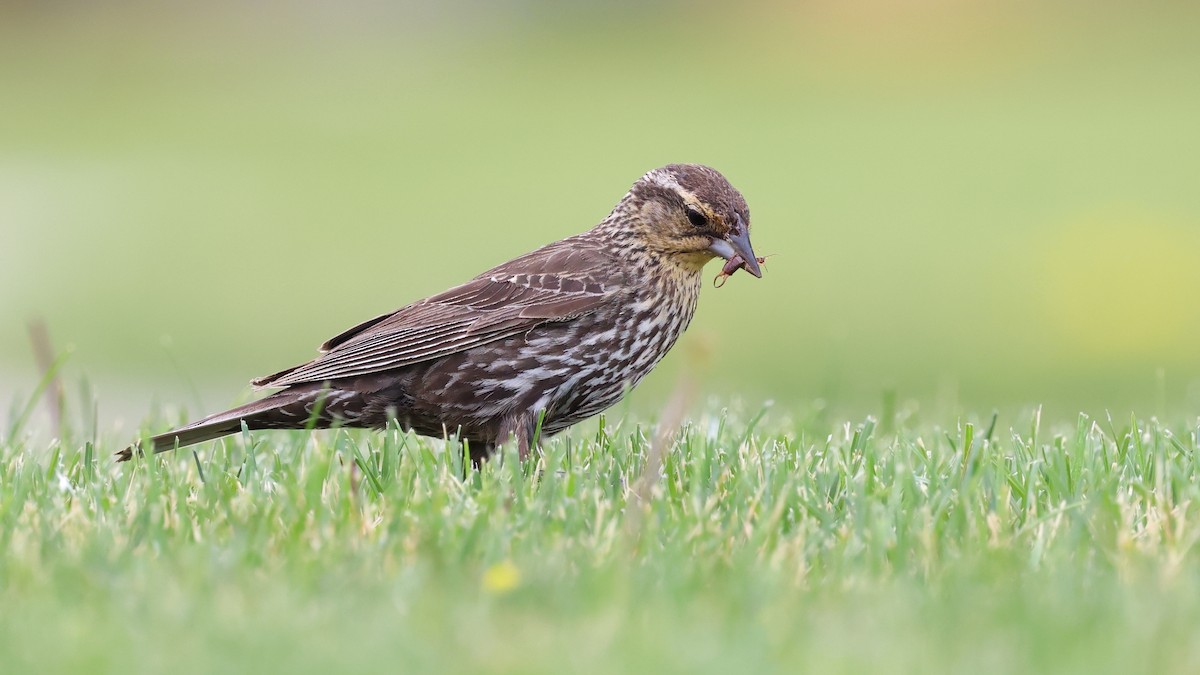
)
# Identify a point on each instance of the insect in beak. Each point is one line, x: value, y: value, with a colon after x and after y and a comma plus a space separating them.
x: 736, y: 250
x: 732, y: 265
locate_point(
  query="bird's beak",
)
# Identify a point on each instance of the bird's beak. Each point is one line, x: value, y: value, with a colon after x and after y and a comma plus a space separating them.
x: 737, y: 242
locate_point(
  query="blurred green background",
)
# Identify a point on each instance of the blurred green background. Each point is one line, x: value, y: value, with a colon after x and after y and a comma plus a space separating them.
x: 973, y: 204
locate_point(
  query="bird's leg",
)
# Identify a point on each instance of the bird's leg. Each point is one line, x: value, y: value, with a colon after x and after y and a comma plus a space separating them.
x: 519, y: 427
x: 512, y: 427
x: 480, y: 452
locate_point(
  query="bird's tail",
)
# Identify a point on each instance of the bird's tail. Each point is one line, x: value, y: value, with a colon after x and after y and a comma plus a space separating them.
x: 293, y: 408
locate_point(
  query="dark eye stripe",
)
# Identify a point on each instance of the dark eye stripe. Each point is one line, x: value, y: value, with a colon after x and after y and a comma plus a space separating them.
x: 696, y: 218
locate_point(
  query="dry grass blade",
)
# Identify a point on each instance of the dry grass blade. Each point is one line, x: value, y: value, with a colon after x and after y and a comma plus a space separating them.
x: 43, y: 354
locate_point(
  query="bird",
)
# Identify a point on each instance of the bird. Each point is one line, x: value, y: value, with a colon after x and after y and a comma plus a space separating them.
x: 530, y: 347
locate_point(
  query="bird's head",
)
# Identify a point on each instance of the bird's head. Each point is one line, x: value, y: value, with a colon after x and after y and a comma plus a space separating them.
x: 689, y: 213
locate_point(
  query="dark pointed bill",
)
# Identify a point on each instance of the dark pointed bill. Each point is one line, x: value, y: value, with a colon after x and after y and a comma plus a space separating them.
x: 737, y: 244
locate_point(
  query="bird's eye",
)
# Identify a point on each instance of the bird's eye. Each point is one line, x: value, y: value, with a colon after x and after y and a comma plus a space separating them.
x: 696, y: 218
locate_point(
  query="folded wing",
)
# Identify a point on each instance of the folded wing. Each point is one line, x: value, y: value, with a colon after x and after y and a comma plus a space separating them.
x: 559, y: 282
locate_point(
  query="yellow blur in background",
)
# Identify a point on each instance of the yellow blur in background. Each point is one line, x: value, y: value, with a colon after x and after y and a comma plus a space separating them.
x: 991, y: 204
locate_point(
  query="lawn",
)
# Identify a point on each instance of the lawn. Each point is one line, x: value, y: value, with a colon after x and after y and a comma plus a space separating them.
x: 766, y: 540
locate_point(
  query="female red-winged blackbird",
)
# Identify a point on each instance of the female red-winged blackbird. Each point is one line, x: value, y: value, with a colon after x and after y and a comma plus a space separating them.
x: 559, y: 334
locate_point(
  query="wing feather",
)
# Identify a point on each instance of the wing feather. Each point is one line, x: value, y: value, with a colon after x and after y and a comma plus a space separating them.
x: 559, y: 282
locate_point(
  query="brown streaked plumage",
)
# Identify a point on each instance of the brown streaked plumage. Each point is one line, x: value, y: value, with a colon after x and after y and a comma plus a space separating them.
x: 561, y: 333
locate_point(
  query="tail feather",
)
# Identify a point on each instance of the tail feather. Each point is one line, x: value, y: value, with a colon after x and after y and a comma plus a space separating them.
x: 290, y: 408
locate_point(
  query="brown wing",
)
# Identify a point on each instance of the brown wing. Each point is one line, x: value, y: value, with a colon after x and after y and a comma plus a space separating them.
x: 556, y: 283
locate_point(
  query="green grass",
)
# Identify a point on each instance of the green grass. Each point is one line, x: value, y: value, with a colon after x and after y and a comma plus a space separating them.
x: 797, y: 543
